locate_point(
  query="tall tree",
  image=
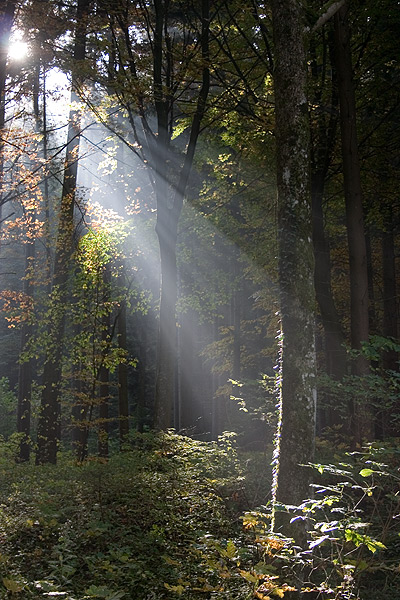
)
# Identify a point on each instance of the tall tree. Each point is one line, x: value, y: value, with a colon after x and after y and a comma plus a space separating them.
x: 295, y: 438
x: 7, y: 11
x: 178, y: 71
x: 48, y: 425
x: 104, y: 371
x: 362, y: 417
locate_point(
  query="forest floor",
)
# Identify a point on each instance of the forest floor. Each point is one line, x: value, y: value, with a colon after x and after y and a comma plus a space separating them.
x: 172, y: 517
x: 150, y: 522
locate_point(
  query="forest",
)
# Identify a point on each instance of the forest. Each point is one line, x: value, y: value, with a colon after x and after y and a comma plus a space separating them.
x: 199, y: 264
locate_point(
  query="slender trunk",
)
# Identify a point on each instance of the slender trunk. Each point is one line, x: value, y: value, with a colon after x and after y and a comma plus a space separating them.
x: 104, y: 394
x: 334, y: 337
x: 168, y: 213
x: 295, y: 438
x: 390, y: 326
x: 335, y: 352
x: 46, y: 195
x: 215, y: 405
x: 166, y: 350
x: 123, y: 399
x: 6, y: 20
x: 78, y: 417
x: 236, y: 316
x: 390, y: 358
x: 372, y: 316
x: 142, y: 372
x: 104, y: 372
x: 25, y: 368
x: 323, y: 147
x: 362, y: 422
x: 49, y: 418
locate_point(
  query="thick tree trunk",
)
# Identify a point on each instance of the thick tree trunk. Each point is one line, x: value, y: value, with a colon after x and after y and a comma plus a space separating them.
x: 49, y: 417
x: 295, y: 438
x: 363, y: 424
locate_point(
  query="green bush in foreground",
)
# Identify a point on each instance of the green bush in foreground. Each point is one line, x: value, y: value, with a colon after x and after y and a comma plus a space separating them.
x: 125, y: 528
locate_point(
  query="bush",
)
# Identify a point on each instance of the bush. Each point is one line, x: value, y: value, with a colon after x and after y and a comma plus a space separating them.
x: 125, y: 528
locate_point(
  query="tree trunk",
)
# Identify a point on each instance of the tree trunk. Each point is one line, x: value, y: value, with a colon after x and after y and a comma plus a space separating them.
x: 123, y: 399
x: 236, y: 316
x: 390, y: 327
x: 334, y: 348
x: 7, y: 11
x: 334, y: 339
x: 104, y: 372
x: 142, y: 328
x: 168, y: 213
x: 25, y: 368
x: 166, y: 348
x: 390, y: 358
x: 372, y: 316
x: 49, y: 417
x: 362, y: 422
x: 295, y: 438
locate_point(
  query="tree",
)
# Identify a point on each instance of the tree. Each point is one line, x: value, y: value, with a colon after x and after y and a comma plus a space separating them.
x: 156, y: 86
x: 49, y: 419
x: 6, y: 22
x: 295, y: 438
x: 362, y: 417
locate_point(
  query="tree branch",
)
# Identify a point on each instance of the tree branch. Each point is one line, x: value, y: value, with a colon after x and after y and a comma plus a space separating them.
x: 331, y: 11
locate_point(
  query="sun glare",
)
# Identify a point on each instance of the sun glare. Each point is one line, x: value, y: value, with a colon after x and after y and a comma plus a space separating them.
x: 17, y: 49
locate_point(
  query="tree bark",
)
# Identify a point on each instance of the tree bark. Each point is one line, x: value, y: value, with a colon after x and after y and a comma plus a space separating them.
x: 295, y: 438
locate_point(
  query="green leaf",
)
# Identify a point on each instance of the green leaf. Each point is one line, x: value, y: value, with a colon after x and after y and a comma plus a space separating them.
x: 366, y: 472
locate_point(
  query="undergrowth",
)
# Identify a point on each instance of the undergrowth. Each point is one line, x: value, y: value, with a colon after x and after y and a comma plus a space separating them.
x: 176, y: 518
x: 127, y: 528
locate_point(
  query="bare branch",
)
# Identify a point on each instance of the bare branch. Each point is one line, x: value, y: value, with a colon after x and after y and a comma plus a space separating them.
x: 330, y: 12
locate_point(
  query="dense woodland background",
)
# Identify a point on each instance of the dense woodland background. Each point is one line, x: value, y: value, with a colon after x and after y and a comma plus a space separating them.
x: 199, y: 234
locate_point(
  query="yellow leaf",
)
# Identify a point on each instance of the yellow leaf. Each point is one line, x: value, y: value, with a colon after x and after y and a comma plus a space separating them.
x: 12, y: 585
x: 250, y: 577
x: 178, y: 589
x: 230, y: 549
